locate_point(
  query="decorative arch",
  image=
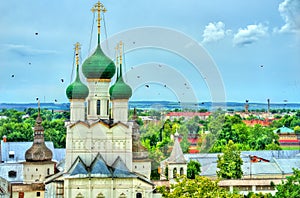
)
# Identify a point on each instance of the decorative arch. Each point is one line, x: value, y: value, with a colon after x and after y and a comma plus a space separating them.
x: 79, y: 195
x: 100, y: 195
x: 122, y: 195
x: 139, y: 195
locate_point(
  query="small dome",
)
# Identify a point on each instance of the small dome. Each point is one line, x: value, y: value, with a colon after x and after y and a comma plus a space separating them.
x: 77, y: 90
x: 120, y: 90
x: 98, y: 66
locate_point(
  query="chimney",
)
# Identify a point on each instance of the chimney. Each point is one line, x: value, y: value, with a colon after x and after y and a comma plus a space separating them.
x: 4, y: 138
x: 268, y: 100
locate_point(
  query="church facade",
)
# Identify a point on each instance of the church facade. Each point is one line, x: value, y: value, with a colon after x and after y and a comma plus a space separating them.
x: 104, y: 157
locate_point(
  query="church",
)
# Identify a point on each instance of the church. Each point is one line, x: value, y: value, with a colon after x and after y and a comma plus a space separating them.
x: 104, y: 157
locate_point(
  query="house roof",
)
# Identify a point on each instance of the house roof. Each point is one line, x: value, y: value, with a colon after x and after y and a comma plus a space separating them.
x: 19, y: 149
x: 283, y: 129
x: 176, y: 156
x: 99, y: 167
x: 280, y: 162
x: 120, y: 170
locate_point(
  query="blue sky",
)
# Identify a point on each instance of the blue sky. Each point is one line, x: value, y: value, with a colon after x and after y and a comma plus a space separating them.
x: 254, y: 45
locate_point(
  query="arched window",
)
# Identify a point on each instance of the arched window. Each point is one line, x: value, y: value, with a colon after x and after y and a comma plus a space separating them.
x: 139, y: 195
x: 181, y: 171
x: 122, y: 195
x: 79, y: 195
x: 100, y: 195
x: 174, y: 172
x: 12, y: 174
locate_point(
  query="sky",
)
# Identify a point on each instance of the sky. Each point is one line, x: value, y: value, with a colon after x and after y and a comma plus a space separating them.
x: 208, y: 50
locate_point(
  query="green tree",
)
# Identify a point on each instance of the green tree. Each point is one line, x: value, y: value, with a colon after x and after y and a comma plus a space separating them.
x: 230, y: 162
x: 196, y: 188
x: 291, y: 187
x: 193, y: 169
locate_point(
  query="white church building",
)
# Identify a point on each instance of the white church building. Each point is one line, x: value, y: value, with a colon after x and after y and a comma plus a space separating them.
x: 104, y: 157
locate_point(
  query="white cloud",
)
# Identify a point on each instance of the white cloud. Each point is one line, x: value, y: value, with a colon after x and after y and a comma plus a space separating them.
x: 214, y: 32
x: 25, y: 50
x: 290, y: 12
x: 250, y: 34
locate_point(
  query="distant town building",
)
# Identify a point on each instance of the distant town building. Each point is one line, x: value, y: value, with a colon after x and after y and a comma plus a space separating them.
x: 287, y: 137
x: 260, y: 168
x: 186, y: 115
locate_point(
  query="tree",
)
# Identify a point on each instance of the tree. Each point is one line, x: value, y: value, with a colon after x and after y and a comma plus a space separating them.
x: 197, y: 188
x: 290, y: 188
x: 230, y: 162
x: 193, y: 169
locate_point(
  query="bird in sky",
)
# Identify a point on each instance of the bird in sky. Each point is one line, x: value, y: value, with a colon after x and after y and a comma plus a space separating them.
x: 147, y: 86
x: 62, y: 80
x: 12, y: 75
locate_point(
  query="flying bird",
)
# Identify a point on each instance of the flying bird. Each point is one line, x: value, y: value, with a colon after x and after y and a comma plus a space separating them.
x: 37, y: 98
x: 62, y: 80
x: 55, y: 100
x: 12, y: 75
x: 36, y: 33
x: 147, y: 86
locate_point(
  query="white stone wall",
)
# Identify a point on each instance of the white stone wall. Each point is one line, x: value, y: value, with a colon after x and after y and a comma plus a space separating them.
x: 142, y: 167
x: 87, y: 142
x: 110, y: 188
x: 34, y: 172
x: 77, y: 110
x: 120, y: 110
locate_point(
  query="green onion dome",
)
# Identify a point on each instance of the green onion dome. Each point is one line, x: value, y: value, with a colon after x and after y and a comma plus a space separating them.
x: 120, y: 90
x: 98, y: 65
x: 77, y: 90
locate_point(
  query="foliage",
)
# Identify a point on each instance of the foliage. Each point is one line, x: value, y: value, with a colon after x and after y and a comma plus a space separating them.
x: 193, y: 169
x: 290, y: 188
x: 196, y: 188
x: 230, y: 162
x: 18, y: 127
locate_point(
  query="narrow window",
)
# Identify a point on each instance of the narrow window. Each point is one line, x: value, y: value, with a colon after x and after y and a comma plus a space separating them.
x: 88, y: 107
x: 107, y: 109
x: 48, y: 171
x: 98, y: 107
x: 181, y: 171
x: 138, y: 195
x: 174, y: 172
x: 38, y: 194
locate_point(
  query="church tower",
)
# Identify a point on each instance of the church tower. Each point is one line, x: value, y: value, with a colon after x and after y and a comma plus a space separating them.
x: 77, y: 92
x: 98, y: 70
x: 120, y: 92
x: 102, y: 159
x: 38, y: 164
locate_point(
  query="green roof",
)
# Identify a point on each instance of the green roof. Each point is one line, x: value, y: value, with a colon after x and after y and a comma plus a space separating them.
x: 284, y: 130
x: 77, y: 90
x: 98, y: 65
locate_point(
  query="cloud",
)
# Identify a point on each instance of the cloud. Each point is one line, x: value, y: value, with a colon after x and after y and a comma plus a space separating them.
x: 250, y: 34
x: 25, y: 50
x: 290, y: 12
x: 214, y: 32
